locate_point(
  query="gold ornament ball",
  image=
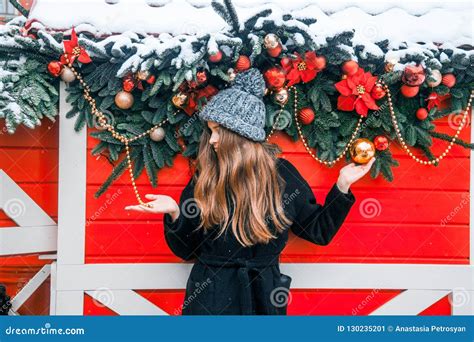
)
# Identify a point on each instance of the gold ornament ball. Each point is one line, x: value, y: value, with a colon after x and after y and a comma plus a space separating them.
x: 179, y: 100
x: 435, y: 78
x: 281, y: 96
x: 157, y: 134
x: 124, y: 100
x: 143, y: 75
x: 271, y: 41
x: 67, y: 75
x: 362, y: 150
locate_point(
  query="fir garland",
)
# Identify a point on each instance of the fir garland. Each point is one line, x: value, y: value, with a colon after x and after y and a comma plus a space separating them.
x: 162, y: 70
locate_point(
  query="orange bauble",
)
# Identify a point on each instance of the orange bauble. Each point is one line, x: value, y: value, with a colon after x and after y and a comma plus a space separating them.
x: 449, y: 80
x: 350, y: 67
x: 421, y: 113
x: 362, y: 150
x: 306, y: 115
x: 243, y: 63
x: 408, y: 91
x: 274, y: 52
x: 216, y: 57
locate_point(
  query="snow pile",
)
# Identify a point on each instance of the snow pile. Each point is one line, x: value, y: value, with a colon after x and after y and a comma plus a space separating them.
x: 400, y: 21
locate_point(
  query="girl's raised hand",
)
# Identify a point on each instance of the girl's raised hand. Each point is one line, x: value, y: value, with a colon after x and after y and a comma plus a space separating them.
x: 351, y: 173
x: 159, y: 203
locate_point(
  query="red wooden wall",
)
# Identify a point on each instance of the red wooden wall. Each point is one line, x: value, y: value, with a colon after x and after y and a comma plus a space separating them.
x: 407, y: 229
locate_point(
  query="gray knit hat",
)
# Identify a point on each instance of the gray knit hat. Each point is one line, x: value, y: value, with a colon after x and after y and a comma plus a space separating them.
x: 240, y: 107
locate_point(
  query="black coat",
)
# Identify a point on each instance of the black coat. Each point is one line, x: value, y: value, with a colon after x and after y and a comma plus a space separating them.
x: 228, y: 278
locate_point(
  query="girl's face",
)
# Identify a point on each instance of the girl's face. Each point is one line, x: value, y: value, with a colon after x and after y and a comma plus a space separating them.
x: 214, y: 139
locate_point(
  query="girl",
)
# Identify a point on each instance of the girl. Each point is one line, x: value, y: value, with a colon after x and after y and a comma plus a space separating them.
x: 234, y: 214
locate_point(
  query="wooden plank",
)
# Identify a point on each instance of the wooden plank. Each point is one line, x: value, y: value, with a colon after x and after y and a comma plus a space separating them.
x: 372, y: 205
x: 378, y: 243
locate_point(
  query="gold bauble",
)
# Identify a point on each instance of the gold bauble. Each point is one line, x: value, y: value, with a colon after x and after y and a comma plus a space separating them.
x: 143, y: 75
x: 179, y: 99
x: 124, y: 100
x: 67, y: 75
x: 271, y: 41
x: 281, y: 96
x: 435, y: 78
x: 157, y: 134
x: 389, y: 67
x: 362, y: 150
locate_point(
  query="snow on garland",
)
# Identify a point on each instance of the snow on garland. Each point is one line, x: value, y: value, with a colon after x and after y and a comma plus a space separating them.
x: 155, y: 84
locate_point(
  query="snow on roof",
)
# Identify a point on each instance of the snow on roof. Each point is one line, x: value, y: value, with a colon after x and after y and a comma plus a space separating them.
x: 373, y: 20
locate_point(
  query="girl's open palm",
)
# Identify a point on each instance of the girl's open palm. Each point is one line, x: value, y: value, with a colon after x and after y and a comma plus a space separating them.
x: 352, y: 172
x: 160, y: 204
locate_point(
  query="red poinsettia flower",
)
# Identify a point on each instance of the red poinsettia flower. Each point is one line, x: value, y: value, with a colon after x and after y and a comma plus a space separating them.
x: 72, y: 50
x: 300, y: 69
x: 195, y: 96
x: 355, y: 93
x: 438, y: 101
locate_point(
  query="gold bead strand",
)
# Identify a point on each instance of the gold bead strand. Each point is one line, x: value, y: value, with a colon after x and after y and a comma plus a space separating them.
x: 303, y: 139
x: 111, y: 129
x: 401, y: 140
x: 275, y: 123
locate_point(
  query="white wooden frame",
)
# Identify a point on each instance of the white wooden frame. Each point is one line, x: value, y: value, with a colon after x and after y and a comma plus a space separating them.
x: 114, y: 284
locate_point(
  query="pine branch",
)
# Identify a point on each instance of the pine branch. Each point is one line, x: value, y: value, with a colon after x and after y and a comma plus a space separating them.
x: 233, y: 15
x: 20, y: 8
x: 447, y: 137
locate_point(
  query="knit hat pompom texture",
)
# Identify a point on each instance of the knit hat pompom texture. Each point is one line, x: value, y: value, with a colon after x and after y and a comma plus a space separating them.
x: 240, y: 108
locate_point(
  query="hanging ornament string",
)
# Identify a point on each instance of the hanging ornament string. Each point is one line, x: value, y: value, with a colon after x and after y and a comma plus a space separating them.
x: 282, y: 108
x: 303, y: 139
x: 402, y: 141
x: 103, y: 123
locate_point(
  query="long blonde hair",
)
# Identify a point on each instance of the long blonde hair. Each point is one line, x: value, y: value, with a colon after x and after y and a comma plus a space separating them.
x: 244, y: 172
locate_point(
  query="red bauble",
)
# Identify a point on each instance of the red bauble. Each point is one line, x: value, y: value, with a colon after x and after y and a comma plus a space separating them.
x: 275, y: 77
x: 274, y: 52
x: 128, y: 85
x: 55, y: 68
x: 243, y: 63
x: 350, y: 68
x: 285, y: 62
x: 449, y: 80
x: 421, y: 113
x: 381, y: 142
x: 378, y: 92
x: 151, y: 79
x: 408, y: 91
x: 216, y: 57
x: 320, y: 62
x: 306, y: 115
